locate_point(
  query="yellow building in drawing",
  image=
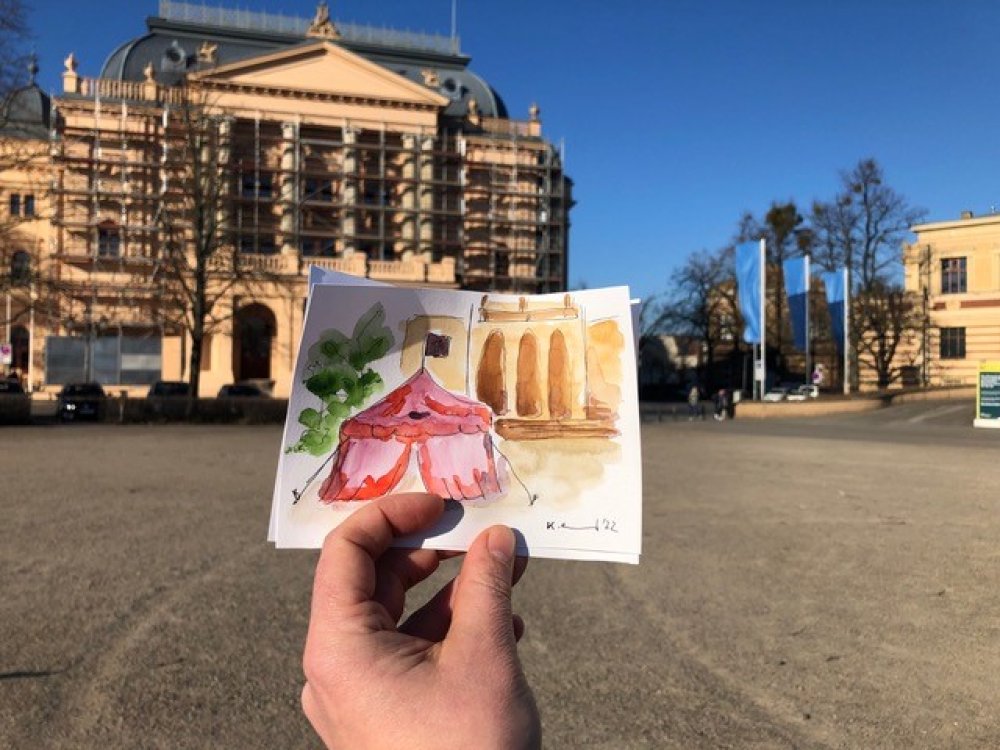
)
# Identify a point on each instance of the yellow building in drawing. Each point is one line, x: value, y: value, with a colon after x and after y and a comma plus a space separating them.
x: 954, y: 268
x: 368, y: 151
x: 542, y: 368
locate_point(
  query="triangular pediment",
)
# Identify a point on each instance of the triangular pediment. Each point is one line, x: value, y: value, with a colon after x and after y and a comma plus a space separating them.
x: 324, y: 68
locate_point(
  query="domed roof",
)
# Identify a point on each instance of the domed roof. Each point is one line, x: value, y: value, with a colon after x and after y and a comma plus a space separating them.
x: 172, y: 48
x: 27, y: 111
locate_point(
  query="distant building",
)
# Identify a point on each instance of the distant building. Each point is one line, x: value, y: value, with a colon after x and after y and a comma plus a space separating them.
x: 668, y: 363
x: 374, y: 152
x: 954, y: 268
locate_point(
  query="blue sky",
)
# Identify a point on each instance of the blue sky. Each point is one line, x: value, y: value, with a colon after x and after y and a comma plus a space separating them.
x: 679, y: 115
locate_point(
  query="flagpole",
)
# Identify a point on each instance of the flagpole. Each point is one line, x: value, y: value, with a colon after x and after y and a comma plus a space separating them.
x: 847, y: 332
x: 763, y: 319
x: 808, y: 362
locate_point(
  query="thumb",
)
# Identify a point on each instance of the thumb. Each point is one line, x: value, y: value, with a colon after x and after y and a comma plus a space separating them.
x: 481, y: 608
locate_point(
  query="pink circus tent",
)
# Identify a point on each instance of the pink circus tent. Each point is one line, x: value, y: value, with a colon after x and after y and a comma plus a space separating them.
x: 450, y: 433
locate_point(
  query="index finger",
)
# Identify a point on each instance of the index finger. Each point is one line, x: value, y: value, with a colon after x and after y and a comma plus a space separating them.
x: 345, y: 573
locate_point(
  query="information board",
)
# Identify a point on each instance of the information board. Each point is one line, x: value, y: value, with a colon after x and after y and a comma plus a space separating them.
x: 988, y: 395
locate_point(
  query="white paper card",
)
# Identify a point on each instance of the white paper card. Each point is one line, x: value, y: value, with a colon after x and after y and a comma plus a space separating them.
x: 523, y: 410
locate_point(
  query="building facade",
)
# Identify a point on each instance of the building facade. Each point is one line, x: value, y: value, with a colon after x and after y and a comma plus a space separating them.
x: 227, y: 151
x: 954, y: 269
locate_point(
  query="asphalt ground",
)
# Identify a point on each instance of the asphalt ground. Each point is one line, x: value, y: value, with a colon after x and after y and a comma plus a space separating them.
x: 804, y: 583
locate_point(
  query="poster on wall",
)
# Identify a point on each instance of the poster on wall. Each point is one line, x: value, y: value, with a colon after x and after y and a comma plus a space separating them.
x: 988, y: 395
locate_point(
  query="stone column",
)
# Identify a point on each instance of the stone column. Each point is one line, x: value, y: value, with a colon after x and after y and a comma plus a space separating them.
x: 426, y: 194
x: 348, y: 214
x: 408, y: 196
x: 287, y: 197
x: 225, y: 207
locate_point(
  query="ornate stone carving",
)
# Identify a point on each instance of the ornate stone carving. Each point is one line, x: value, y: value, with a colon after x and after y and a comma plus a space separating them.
x: 534, y: 112
x: 322, y: 27
x: 431, y: 78
x: 207, y: 53
x: 70, y: 63
x: 149, y: 73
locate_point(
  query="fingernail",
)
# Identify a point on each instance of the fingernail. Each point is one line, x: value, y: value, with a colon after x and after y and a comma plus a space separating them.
x: 501, y: 544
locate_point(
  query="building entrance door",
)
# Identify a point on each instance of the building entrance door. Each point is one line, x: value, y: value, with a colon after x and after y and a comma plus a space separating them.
x: 254, y: 329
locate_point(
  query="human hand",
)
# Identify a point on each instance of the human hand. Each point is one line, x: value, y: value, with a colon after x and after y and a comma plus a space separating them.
x: 450, y: 675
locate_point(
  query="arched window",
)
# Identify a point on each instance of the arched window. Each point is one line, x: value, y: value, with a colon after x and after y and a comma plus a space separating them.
x: 20, y: 269
x: 559, y: 383
x: 490, y: 387
x: 529, y: 389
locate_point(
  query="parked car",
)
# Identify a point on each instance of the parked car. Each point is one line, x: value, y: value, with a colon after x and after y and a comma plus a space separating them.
x: 169, y: 388
x: 776, y: 394
x: 80, y: 401
x: 241, y: 390
x: 15, y: 404
x: 810, y: 391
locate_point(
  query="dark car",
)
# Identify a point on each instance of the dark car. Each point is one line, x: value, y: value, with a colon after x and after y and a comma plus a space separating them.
x: 241, y: 390
x: 169, y: 388
x: 80, y: 401
x: 15, y: 404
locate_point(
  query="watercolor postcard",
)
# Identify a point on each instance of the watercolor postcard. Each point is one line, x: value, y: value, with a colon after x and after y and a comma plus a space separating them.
x: 517, y: 409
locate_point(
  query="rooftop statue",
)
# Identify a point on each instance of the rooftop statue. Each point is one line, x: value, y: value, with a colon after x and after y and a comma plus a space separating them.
x: 321, y: 25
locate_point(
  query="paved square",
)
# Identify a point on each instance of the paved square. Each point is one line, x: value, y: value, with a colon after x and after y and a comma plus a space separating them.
x: 820, y: 583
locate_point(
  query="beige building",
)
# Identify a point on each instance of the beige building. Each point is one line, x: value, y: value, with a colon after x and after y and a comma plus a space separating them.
x: 954, y: 267
x: 368, y: 151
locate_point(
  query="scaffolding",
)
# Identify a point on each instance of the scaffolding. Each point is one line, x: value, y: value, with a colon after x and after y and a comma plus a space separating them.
x: 495, y: 203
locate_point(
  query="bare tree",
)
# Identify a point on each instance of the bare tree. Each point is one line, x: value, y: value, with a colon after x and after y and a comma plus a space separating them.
x: 200, y: 266
x: 863, y: 229
x: 890, y: 319
x: 702, y: 301
x: 13, y: 38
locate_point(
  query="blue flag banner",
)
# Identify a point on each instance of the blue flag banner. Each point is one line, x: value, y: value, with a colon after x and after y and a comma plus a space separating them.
x: 748, y: 285
x: 835, y: 300
x: 796, y: 272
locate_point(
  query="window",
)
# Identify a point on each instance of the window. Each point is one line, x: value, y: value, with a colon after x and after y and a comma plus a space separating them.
x: 248, y: 186
x: 15, y: 204
x: 20, y: 269
x: 29, y: 205
x: 266, y: 244
x: 318, y: 190
x: 319, y: 247
x: 953, y: 276
x: 261, y: 186
x: 265, y: 189
x: 952, y: 343
x: 108, y: 241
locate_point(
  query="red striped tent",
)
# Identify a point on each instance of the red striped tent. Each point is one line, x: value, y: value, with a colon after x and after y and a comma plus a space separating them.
x: 450, y: 433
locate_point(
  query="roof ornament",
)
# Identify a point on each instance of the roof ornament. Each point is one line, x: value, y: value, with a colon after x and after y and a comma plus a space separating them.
x: 431, y: 78
x: 149, y: 73
x: 534, y: 112
x: 70, y: 63
x: 322, y: 27
x: 32, y: 68
x: 207, y: 53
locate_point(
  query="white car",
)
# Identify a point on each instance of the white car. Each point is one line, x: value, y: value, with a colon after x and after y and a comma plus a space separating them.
x: 802, y: 393
x: 776, y: 394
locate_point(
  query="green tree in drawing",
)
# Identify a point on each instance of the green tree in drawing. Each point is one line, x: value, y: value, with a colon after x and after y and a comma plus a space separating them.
x: 338, y: 373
